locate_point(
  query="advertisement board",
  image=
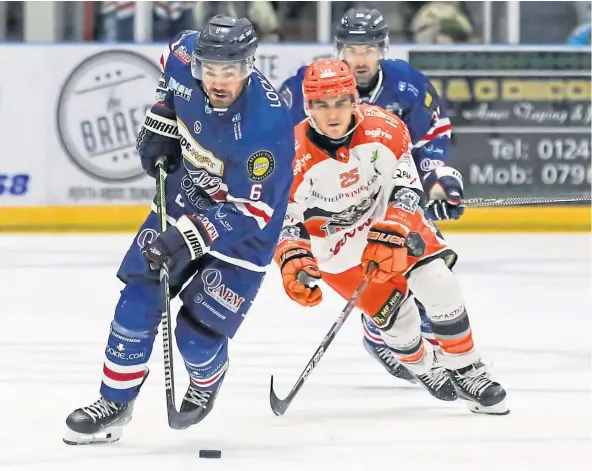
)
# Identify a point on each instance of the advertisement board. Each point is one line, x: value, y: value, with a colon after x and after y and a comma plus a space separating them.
x: 70, y: 114
x: 521, y: 119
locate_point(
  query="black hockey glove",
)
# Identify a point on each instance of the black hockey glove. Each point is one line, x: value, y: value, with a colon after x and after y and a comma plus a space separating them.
x: 444, y: 187
x: 178, y: 245
x: 439, y: 210
x: 159, y: 137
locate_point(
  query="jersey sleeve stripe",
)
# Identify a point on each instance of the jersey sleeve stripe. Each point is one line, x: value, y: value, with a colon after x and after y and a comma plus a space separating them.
x: 441, y: 128
x: 259, y: 211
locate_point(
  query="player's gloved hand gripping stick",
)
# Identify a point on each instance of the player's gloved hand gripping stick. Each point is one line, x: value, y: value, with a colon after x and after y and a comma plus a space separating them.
x: 279, y: 406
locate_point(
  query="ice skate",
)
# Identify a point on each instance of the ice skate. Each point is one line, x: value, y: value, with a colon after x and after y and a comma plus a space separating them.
x: 101, y: 422
x: 196, y: 405
x: 438, y: 383
x: 384, y: 356
x: 483, y: 395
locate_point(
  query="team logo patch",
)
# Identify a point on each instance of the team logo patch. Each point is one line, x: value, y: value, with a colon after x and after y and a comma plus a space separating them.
x: 260, y: 165
x: 197, y: 127
x: 428, y: 100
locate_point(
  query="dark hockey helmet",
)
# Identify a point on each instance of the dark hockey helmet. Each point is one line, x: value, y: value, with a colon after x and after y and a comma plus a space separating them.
x: 362, y: 26
x: 225, y: 40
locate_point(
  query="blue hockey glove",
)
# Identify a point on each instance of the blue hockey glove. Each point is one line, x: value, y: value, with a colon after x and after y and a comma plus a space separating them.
x: 178, y: 245
x: 159, y: 136
x: 444, y: 188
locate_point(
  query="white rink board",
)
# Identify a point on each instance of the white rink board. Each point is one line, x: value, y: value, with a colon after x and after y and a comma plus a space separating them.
x: 528, y: 297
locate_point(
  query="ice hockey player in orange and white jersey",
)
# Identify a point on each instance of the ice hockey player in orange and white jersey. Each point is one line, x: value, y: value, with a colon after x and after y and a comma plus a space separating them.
x: 357, y: 198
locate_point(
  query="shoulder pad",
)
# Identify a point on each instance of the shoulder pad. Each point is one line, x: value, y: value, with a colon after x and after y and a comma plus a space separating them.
x: 406, y: 79
x: 300, y: 72
x: 180, y: 46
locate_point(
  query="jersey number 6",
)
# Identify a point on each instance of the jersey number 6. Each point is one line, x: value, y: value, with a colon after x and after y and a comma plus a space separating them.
x: 255, y: 192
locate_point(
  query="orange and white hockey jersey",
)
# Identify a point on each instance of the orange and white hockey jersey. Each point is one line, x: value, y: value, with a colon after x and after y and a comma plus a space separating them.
x: 335, y: 199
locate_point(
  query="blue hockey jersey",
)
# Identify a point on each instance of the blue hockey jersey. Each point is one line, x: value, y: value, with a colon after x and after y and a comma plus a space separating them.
x: 237, y: 163
x: 405, y: 91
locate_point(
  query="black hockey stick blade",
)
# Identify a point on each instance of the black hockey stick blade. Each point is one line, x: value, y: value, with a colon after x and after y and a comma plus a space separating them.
x: 278, y: 406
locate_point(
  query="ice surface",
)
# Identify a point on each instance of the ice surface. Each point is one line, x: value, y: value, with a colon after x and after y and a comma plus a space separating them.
x: 528, y: 297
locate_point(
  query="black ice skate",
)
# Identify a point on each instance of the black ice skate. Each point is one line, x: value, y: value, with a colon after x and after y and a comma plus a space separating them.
x: 196, y: 405
x: 438, y: 383
x: 390, y: 363
x: 100, y: 422
x: 483, y: 395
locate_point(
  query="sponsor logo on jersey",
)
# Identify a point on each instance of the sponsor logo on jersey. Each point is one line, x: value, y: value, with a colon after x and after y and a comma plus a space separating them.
x: 220, y: 216
x: 260, y: 165
x: 428, y: 164
x: 196, y: 179
x: 209, y: 227
x: 403, y: 174
x: 412, y: 89
x: 433, y: 149
x: 428, y: 100
x: 286, y: 95
x: 122, y: 355
x: 197, y: 127
x: 346, y: 218
x: 300, y: 161
x: 212, y: 280
x: 381, y: 319
x: 162, y: 83
x: 182, y: 54
x: 199, y: 299
x: 146, y: 237
x: 197, y: 155
x: 345, y: 194
x: 378, y: 132
x: 100, y: 110
x: 407, y: 200
x: 374, y: 156
x: 180, y: 90
x: 350, y: 235
x: 290, y: 233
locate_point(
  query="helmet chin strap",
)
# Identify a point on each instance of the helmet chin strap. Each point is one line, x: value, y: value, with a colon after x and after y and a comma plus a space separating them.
x: 315, y: 126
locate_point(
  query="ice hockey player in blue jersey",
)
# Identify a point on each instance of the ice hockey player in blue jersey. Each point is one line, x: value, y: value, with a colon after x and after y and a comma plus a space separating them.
x: 229, y: 144
x: 362, y: 41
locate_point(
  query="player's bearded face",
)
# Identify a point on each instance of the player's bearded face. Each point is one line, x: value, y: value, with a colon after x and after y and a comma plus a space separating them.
x: 223, y: 83
x: 362, y: 59
x: 332, y: 115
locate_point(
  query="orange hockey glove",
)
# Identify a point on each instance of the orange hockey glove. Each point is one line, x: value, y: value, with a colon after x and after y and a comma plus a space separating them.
x: 300, y: 272
x: 386, y: 247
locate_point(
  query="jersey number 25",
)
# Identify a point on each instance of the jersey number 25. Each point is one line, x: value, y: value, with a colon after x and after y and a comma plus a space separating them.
x: 349, y: 178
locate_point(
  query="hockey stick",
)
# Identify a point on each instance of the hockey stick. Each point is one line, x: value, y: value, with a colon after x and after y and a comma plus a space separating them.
x: 522, y: 200
x: 174, y: 417
x: 279, y: 406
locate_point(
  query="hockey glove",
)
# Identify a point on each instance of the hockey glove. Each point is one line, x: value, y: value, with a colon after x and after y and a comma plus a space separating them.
x: 444, y: 187
x: 386, y: 247
x: 178, y: 245
x: 300, y: 273
x: 159, y: 137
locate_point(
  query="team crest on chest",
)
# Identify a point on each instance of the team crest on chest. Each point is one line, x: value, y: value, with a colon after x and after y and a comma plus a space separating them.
x: 260, y: 165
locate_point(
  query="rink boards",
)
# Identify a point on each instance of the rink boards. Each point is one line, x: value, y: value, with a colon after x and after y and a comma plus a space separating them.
x: 521, y: 126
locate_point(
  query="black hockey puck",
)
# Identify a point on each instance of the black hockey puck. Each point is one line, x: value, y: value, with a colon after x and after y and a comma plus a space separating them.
x: 210, y: 454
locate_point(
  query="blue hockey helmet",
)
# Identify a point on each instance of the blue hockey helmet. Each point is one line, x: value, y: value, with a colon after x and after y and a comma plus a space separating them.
x: 225, y: 40
x: 362, y: 26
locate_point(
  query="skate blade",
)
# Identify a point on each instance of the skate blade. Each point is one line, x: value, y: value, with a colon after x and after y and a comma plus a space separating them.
x: 109, y: 435
x: 497, y: 409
